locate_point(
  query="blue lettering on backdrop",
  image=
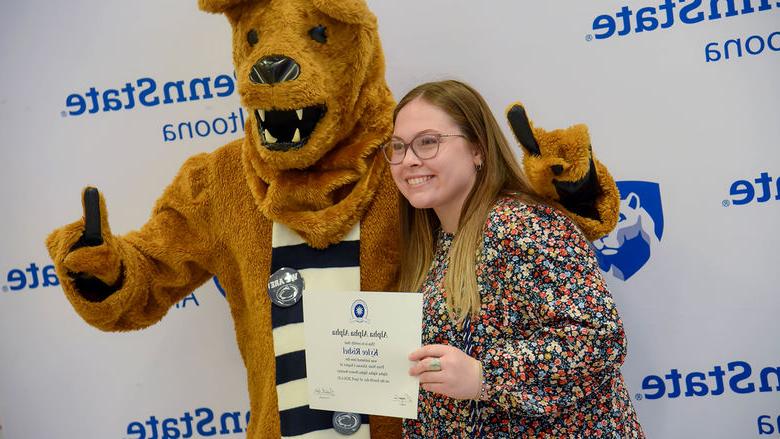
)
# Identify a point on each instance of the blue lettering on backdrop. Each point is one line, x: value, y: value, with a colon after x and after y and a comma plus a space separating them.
x: 768, y: 424
x: 146, y: 92
x: 219, y: 287
x: 625, y: 21
x: 736, y: 47
x: 230, y: 124
x: 745, y: 192
x: 736, y: 377
x: 191, y: 298
x: 205, y: 425
x: 625, y: 250
x: 31, y: 277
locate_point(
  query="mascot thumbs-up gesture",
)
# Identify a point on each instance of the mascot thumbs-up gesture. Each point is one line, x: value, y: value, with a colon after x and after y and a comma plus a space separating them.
x: 560, y: 166
x: 305, y: 195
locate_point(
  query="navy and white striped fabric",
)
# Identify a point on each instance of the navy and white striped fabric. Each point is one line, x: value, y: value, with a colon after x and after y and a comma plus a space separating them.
x: 336, y: 268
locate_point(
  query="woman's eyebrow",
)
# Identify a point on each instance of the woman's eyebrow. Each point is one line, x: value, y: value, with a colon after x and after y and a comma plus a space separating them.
x: 425, y: 131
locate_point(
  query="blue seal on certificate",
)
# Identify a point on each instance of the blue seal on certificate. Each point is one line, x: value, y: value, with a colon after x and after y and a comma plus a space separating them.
x: 285, y: 287
x: 346, y: 423
x: 359, y: 311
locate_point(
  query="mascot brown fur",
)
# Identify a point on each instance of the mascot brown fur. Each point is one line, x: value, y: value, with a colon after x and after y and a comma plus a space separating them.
x: 311, y: 72
x: 560, y: 166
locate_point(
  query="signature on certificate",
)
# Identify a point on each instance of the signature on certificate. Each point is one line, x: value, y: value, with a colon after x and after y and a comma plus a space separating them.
x: 324, y: 392
x: 402, y: 399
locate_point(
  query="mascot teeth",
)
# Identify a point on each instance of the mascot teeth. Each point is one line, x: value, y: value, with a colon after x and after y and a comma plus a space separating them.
x: 291, y: 128
x: 268, y: 137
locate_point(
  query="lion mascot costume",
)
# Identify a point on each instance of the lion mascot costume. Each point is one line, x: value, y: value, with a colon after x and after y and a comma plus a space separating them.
x: 305, y: 195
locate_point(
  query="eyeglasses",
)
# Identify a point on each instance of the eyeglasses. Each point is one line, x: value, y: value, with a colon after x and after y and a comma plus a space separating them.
x: 424, y: 146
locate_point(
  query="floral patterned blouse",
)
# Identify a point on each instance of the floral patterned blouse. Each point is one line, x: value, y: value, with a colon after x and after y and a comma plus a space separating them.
x: 548, y: 335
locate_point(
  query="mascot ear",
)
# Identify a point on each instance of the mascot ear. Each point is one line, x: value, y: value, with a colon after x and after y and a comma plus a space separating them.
x: 218, y: 6
x: 345, y: 11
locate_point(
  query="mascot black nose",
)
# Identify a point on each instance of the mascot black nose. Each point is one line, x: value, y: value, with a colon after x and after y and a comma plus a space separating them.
x: 274, y: 69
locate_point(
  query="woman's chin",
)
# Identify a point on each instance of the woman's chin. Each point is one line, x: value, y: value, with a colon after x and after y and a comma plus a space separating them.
x: 419, y: 203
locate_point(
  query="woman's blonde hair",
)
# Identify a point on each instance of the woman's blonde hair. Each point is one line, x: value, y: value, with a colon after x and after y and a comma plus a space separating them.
x: 500, y: 174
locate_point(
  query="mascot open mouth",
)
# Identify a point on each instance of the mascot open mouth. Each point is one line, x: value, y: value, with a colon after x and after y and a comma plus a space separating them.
x: 282, y: 130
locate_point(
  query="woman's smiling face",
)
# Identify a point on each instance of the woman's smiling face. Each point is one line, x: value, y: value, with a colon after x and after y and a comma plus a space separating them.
x: 443, y: 182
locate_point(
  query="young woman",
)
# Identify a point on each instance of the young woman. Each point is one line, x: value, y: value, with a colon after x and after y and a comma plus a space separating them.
x: 520, y: 336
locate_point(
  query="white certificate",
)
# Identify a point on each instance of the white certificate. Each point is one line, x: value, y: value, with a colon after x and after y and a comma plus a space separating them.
x: 357, y: 348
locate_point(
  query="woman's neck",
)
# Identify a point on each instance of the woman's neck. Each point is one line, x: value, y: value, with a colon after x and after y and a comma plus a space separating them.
x: 448, y: 220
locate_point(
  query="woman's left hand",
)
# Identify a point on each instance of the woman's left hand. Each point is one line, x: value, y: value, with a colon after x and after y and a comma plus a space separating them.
x: 447, y: 370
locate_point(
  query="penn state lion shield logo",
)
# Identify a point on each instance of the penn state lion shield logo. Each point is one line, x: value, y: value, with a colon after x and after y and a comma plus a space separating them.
x: 640, y: 227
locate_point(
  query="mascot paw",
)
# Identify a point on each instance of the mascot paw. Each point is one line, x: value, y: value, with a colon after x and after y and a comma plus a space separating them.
x: 101, y: 262
x: 560, y: 167
x: 554, y: 160
x: 83, y: 250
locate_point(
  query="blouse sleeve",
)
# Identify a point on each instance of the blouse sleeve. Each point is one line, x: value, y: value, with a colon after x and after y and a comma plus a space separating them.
x: 565, y: 338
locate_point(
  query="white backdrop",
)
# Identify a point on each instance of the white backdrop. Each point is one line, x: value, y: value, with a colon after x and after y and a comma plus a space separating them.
x: 666, y: 110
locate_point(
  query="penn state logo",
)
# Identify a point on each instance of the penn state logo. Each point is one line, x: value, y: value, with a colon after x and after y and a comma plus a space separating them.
x: 285, y: 287
x: 640, y: 227
x: 346, y: 423
x: 358, y: 311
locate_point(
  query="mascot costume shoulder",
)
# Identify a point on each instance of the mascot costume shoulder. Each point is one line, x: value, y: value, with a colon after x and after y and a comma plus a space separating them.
x: 304, y: 200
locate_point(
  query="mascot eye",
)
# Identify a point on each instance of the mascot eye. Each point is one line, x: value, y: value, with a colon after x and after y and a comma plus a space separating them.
x: 317, y: 33
x: 252, y: 38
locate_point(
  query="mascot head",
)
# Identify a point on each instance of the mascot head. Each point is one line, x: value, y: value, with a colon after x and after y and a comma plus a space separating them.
x: 310, y: 72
